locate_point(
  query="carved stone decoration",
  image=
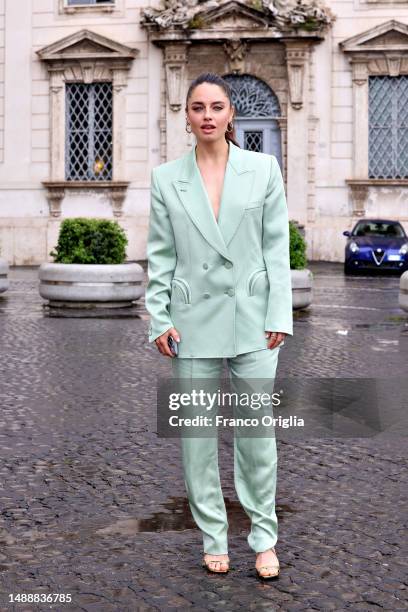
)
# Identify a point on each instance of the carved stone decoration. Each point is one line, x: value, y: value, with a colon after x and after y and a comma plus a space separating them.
x: 394, y: 65
x: 291, y: 14
x: 236, y: 51
x: 55, y: 195
x: 296, y: 57
x: 359, y: 193
x: 118, y: 195
x: 360, y: 72
x: 308, y: 15
x: 175, y: 58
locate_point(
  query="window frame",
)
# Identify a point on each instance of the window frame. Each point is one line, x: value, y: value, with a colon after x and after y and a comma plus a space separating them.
x: 87, y: 57
x: 91, y: 133
x: 88, y: 2
x: 381, y: 50
x: 394, y: 128
x: 113, y: 6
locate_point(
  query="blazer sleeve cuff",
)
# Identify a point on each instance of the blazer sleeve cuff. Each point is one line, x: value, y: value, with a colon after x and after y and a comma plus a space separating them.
x: 285, y: 328
x: 156, y: 330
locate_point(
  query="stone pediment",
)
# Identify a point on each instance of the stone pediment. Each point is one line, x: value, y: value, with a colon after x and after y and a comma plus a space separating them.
x: 233, y: 15
x: 389, y: 36
x: 86, y: 45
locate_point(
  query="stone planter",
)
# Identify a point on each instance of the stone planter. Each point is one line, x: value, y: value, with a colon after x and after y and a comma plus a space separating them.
x: 90, y: 285
x: 302, y: 288
x: 4, y: 281
x: 403, y: 291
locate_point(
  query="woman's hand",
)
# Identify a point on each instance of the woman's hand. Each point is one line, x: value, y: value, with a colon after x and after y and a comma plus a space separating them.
x: 161, y: 341
x: 275, y: 338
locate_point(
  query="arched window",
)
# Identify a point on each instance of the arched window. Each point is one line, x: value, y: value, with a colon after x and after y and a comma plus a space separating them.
x: 256, y: 112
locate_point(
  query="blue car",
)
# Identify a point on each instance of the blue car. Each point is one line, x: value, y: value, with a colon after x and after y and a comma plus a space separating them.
x: 376, y: 244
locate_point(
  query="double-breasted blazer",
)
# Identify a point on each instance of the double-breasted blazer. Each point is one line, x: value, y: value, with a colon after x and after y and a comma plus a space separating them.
x: 220, y: 284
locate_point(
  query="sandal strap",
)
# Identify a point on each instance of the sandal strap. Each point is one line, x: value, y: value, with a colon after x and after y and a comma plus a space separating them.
x: 274, y: 566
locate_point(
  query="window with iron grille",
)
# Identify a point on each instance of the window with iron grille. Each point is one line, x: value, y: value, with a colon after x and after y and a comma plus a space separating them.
x: 88, y: 151
x: 80, y: 2
x: 388, y: 127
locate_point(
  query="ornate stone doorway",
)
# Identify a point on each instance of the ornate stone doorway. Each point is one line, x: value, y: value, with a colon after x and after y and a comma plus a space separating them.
x: 266, y: 45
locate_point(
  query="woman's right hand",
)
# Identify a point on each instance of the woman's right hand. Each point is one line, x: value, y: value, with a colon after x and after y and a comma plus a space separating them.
x: 161, y: 341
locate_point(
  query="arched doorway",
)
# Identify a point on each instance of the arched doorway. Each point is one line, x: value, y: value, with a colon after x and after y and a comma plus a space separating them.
x: 256, y: 112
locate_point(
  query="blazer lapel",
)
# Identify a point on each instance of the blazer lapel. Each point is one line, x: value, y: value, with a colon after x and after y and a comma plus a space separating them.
x: 236, y: 193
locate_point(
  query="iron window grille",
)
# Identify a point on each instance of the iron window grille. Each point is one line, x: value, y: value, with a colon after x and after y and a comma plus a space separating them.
x: 88, y: 153
x: 388, y: 127
x: 252, y: 97
x: 253, y: 140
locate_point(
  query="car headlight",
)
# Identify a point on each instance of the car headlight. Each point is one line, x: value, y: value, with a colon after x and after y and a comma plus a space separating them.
x: 354, y: 247
x: 404, y: 249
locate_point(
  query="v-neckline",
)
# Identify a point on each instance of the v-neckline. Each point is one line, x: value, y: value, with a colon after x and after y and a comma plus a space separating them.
x: 216, y: 219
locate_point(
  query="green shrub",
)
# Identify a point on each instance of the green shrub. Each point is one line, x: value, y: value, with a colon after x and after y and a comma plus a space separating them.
x: 297, y: 246
x: 90, y: 241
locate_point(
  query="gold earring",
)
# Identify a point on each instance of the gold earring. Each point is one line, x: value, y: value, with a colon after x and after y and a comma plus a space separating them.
x: 187, y: 130
x: 229, y: 129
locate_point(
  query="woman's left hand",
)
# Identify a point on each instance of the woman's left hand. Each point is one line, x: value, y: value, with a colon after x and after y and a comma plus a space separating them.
x: 275, y: 338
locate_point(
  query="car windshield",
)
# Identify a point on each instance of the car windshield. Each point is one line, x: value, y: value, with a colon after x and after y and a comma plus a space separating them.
x: 371, y: 228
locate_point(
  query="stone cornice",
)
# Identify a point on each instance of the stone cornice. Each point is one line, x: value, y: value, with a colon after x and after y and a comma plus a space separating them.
x: 377, y: 182
x: 116, y: 190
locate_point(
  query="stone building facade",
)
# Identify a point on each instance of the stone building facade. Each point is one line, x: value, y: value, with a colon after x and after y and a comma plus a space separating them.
x: 92, y: 96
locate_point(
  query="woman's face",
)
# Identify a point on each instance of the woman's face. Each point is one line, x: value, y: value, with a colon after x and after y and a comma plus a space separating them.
x: 209, y: 106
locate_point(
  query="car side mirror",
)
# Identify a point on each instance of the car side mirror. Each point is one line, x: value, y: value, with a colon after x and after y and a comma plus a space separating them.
x: 346, y: 233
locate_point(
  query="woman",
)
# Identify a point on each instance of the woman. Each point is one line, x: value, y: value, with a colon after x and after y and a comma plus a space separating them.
x: 219, y: 285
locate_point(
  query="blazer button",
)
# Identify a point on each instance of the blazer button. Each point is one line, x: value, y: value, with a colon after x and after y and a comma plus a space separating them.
x: 228, y: 264
x: 206, y: 295
x: 205, y: 266
x: 231, y: 292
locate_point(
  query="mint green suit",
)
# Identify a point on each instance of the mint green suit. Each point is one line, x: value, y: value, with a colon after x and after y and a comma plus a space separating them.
x: 222, y: 285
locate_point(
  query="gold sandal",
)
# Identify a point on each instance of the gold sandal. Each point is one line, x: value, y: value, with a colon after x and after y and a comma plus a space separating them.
x: 272, y: 566
x: 206, y: 564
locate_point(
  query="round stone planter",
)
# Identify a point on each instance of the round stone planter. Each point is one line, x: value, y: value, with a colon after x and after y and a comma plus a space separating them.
x: 4, y: 281
x: 90, y: 285
x: 302, y: 288
x: 403, y: 291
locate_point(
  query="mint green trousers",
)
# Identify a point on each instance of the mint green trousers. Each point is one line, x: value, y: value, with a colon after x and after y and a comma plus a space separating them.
x: 255, y: 458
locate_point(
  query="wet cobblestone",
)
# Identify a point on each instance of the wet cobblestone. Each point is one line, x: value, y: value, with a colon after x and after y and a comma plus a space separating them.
x: 93, y: 502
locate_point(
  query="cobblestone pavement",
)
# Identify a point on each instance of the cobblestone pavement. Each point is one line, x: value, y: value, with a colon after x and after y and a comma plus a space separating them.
x: 93, y: 502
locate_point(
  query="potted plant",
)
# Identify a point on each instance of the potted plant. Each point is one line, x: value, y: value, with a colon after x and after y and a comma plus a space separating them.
x: 302, y: 278
x: 4, y: 268
x: 89, y: 268
x: 403, y: 291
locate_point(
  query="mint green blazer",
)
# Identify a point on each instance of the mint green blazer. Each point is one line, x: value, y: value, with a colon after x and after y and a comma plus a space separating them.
x: 220, y: 284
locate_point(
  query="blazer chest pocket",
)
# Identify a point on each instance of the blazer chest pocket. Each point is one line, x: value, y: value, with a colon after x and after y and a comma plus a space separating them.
x: 258, y: 279
x: 253, y: 206
x: 180, y: 291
